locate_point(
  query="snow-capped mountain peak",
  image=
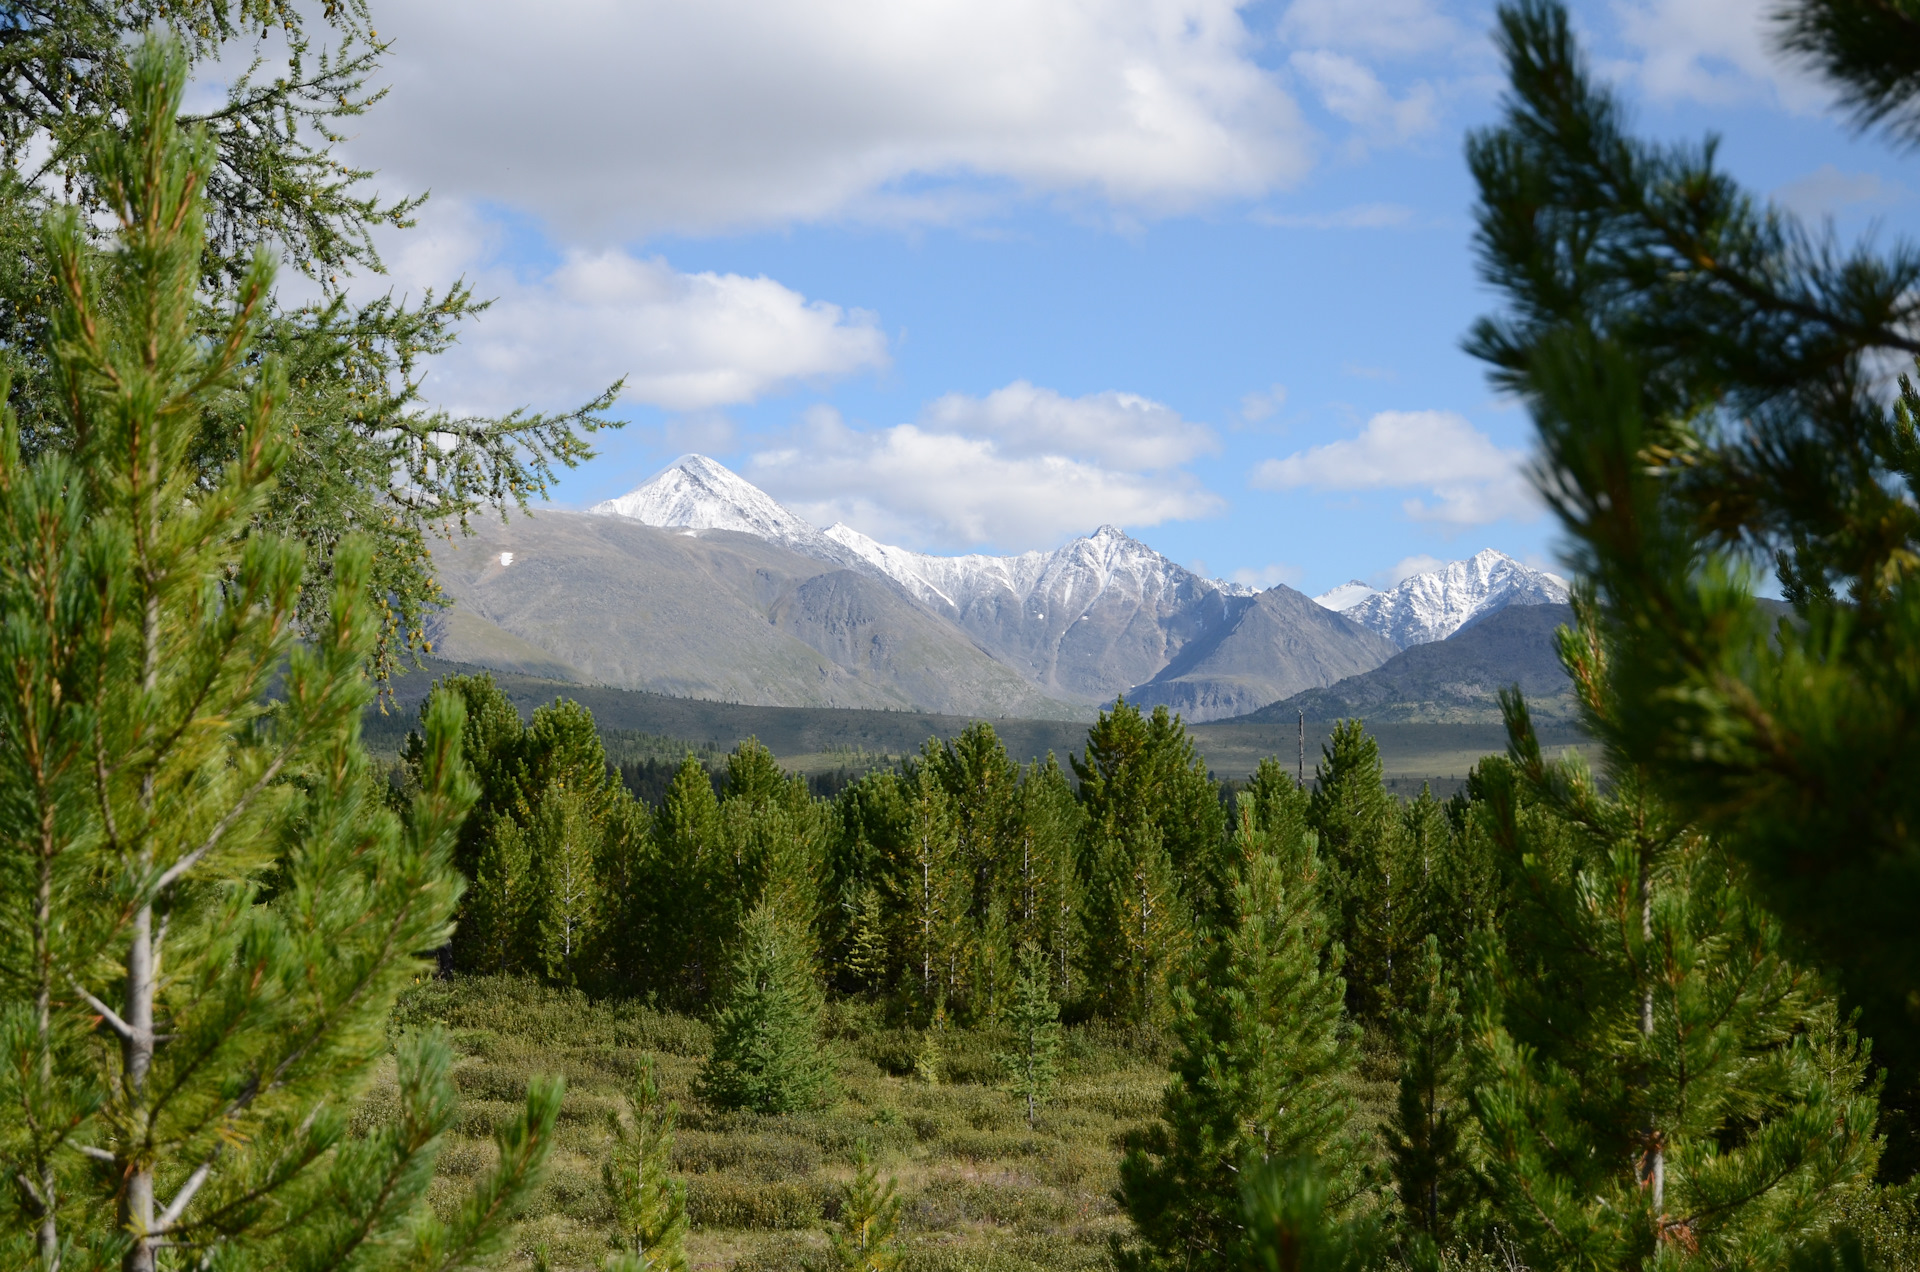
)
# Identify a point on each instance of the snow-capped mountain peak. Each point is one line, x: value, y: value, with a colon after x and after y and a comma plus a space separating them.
x: 701, y: 494
x: 1436, y: 604
x: 1346, y: 596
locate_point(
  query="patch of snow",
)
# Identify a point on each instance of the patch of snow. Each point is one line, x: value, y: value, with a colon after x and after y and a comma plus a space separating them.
x: 1344, y: 597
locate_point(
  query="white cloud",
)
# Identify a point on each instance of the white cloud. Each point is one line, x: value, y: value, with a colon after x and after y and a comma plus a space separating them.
x: 1355, y: 94
x: 1713, y: 51
x: 685, y: 342
x: 1827, y: 190
x: 617, y: 121
x: 1017, y: 469
x: 1266, y: 576
x: 1392, y: 28
x: 1470, y: 480
x: 1261, y: 405
x: 1420, y: 563
x: 942, y: 490
x: 1121, y: 429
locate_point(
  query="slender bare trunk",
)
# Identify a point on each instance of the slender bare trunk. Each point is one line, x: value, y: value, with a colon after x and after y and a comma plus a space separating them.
x: 47, y: 1235
x: 136, y: 1205
x: 926, y: 919
x: 1654, y: 1178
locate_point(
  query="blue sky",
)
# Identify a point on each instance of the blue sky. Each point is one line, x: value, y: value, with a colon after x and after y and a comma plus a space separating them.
x: 981, y: 276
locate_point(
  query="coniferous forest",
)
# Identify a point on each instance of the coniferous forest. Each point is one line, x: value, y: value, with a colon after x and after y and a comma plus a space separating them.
x: 266, y: 1002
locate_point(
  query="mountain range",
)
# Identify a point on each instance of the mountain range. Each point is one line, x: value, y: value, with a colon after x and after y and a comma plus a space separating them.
x: 1435, y: 604
x: 699, y: 584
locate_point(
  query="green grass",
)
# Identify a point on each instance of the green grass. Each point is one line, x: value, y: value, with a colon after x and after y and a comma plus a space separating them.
x: 981, y: 1191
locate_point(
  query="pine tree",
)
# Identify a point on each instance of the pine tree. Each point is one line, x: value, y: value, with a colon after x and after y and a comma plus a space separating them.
x: 155, y: 805
x: 1144, y: 774
x: 867, y: 957
x: 1280, y: 808
x: 982, y: 783
x: 1293, y: 1223
x: 930, y: 1062
x: 991, y: 964
x: 649, y: 1205
x: 865, y: 1237
x: 1651, y: 1071
x: 1707, y: 379
x: 1428, y: 1139
x: 935, y: 884
x: 774, y: 844
x: 1262, y: 1054
x: 863, y: 854
x: 1370, y: 882
x: 766, y: 1036
x: 1138, y: 895
x: 489, y: 933
x: 618, y: 959
x: 499, y: 928
x: 1032, y: 1066
x: 493, y: 742
x: 1046, y: 892
x: 566, y: 849
x: 687, y: 920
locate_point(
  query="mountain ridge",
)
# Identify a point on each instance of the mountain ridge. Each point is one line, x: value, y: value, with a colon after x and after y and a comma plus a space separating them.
x: 1101, y: 615
x: 699, y: 583
x: 1434, y: 604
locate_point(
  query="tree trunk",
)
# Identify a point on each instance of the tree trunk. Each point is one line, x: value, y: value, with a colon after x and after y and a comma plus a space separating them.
x: 136, y: 1204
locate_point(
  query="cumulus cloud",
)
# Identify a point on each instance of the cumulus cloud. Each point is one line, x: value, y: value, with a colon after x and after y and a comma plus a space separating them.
x: 1120, y: 429
x: 1391, y: 28
x: 623, y: 120
x: 1827, y: 190
x: 1262, y: 404
x: 1266, y: 576
x: 1469, y: 480
x: 1713, y: 51
x: 686, y: 342
x: 1355, y: 94
x: 1019, y: 468
x: 1420, y: 563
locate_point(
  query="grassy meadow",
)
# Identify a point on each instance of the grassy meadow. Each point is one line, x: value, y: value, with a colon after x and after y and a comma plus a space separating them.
x: 981, y: 1191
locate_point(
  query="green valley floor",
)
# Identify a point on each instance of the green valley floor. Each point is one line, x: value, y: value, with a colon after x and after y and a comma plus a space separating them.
x: 981, y: 1191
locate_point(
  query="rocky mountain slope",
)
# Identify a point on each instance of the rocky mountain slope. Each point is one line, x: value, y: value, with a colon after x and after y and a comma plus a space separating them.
x: 1452, y: 681
x: 1103, y: 615
x: 714, y: 614
x: 699, y: 584
x: 1265, y: 647
x: 1434, y: 605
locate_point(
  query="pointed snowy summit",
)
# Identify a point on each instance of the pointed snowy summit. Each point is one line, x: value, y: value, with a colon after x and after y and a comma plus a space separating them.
x: 703, y: 494
x: 1434, y: 605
